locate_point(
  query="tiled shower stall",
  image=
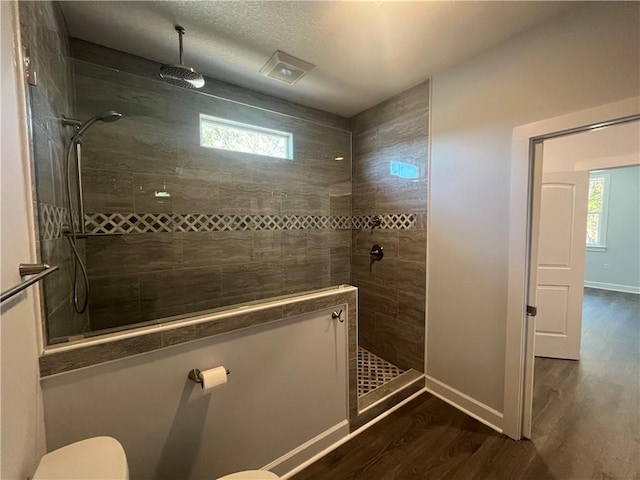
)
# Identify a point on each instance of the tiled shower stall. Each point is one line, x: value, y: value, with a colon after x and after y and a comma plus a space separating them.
x: 201, y: 227
x: 175, y: 228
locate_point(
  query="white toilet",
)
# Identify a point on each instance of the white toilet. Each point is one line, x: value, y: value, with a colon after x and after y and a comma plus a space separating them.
x: 103, y: 458
x: 251, y: 475
x: 98, y: 458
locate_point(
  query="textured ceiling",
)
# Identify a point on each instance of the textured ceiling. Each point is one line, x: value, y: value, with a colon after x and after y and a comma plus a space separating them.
x: 364, y: 52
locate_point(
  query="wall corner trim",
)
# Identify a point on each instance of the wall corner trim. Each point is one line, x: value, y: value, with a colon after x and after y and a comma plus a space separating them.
x: 472, y: 407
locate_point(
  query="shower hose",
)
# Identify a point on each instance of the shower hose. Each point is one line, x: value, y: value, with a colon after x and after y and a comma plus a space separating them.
x: 78, y: 306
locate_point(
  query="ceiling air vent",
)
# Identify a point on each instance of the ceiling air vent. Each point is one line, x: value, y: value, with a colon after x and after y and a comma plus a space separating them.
x: 285, y: 68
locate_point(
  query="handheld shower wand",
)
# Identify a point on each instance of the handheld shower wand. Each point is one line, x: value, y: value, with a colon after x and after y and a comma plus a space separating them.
x: 71, y: 234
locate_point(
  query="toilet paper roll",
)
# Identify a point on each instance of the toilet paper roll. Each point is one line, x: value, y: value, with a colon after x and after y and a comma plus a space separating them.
x: 214, y: 377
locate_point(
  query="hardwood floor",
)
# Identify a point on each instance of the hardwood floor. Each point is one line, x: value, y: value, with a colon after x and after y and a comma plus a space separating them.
x: 586, y: 422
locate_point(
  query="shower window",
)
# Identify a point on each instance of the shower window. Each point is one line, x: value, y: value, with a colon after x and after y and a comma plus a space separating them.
x: 241, y: 137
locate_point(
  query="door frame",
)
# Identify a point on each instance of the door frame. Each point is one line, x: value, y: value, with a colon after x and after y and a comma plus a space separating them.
x: 525, y: 185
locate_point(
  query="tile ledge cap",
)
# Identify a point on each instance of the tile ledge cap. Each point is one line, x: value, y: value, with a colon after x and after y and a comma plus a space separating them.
x: 198, y: 319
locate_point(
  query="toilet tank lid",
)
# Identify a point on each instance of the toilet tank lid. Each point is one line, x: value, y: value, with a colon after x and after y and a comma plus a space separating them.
x: 98, y: 458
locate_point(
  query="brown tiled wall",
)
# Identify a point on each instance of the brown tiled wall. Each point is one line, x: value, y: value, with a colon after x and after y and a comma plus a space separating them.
x: 44, y: 34
x: 141, y: 277
x: 392, y: 291
x: 155, y: 147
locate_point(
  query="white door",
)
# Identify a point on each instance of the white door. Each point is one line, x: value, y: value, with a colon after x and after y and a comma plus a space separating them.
x: 561, y: 250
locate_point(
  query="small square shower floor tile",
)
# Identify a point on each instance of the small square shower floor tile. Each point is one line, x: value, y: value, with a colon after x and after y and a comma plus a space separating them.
x: 373, y: 371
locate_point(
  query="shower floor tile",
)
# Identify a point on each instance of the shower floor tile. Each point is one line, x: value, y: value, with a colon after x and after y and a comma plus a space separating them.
x: 373, y: 371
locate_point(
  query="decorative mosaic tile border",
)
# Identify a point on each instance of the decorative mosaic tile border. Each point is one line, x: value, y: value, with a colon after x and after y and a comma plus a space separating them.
x: 101, y: 223
x: 399, y: 221
x: 53, y: 218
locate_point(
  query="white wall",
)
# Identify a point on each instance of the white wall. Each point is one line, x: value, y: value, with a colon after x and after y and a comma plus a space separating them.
x: 21, y: 421
x: 586, y: 57
x: 618, y: 267
x: 610, y: 147
x: 288, y: 384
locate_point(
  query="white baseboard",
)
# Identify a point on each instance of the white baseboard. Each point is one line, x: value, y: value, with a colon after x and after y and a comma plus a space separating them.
x: 614, y: 287
x: 298, y: 459
x: 385, y: 398
x: 472, y: 407
x: 308, y: 450
x: 301, y: 466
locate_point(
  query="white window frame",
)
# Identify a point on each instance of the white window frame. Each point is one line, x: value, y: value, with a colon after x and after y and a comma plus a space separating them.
x: 601, y: 246
x: 288, y: 136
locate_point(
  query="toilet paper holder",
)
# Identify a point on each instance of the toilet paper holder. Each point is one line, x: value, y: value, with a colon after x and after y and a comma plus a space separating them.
x: 195, y: 376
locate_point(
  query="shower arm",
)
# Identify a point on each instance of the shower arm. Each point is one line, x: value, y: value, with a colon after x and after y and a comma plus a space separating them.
x: 180, y: 31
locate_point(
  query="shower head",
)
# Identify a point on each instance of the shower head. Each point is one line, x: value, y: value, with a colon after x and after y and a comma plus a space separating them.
x: 108, y: 116
x: 181, y: 75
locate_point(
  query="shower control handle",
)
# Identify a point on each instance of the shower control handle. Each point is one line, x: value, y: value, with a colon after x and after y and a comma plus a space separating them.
x: 377, y: 253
